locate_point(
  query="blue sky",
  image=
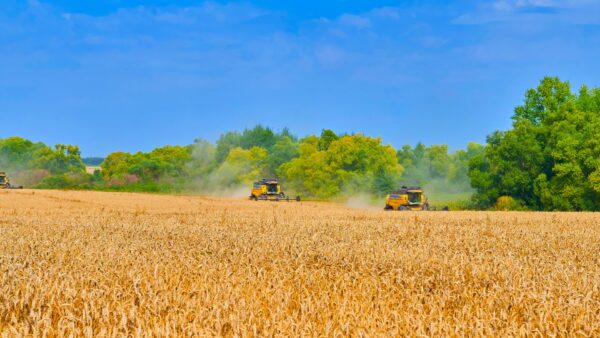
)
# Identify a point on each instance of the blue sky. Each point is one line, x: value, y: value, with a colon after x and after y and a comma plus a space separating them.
x: 133, y: 75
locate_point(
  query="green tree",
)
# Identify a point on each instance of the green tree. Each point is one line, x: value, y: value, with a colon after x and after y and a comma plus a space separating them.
x: 225, y: 143
x: 284, y: 150
x: 352, y: 163
x: 327, y: 137
x: 115, y: 165
x: 60, y: 160
x: 549, y: 159
x: 439, y: 160
x: 242, y: 166
x: 550, y: 94
x: 258, y: 136
x: 17, y: 152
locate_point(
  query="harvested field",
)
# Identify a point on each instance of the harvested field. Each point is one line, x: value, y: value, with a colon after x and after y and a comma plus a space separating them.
x: 114, y: 264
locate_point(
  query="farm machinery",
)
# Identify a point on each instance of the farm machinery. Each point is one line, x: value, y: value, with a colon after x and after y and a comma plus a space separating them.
x: 407, y: 198
x: 269, y: 190
x: 5, y: 182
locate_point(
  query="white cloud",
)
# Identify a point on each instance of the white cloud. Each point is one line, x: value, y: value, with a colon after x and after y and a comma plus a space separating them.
x: 354, y: 20
x: 387, y: 12
x: 533, y: 12
x: 511, y: 5
x: 201, y: 14
x: 329, y: 55
x: 503, y: 6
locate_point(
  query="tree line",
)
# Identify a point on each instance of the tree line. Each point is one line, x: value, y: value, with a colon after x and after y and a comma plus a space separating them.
x: 548, y: 160
x: 36, y: 164
x: 322, y: 166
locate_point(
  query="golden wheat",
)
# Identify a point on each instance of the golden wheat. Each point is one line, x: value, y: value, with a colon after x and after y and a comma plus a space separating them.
x: 113, y: 264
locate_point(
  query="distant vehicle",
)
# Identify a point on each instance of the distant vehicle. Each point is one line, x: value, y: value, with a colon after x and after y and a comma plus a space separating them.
x: 5, y: 182
x: 407, y: 198
x: 269, y: 190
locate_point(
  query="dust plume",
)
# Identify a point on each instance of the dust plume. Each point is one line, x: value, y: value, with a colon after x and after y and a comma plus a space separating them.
x: 364, y: 201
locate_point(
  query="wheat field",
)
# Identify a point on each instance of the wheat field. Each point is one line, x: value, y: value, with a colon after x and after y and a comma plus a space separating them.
x: 119, y: 264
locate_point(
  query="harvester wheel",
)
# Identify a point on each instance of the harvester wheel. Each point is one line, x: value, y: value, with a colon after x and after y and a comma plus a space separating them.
x: 402, y: 208
x: 388, y: 207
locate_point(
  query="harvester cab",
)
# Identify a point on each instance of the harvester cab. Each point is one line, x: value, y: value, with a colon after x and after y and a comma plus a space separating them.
x: 5, y: 182
x: 269, y: 190
x: 407, y: 198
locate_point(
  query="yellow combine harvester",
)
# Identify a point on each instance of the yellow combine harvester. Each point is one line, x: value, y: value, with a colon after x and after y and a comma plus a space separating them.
x: 5, y: 182
x: 269, y: 190
x: 407, y: 198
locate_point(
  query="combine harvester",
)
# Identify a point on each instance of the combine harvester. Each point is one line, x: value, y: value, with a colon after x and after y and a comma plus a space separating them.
x: 5, y: 182
x: 407, y: 198
x: 269, y: 190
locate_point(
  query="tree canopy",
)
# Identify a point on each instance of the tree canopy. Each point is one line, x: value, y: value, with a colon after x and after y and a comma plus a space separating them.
x: 550, y: 159
x: 32, y: 163
x: 330, y: 165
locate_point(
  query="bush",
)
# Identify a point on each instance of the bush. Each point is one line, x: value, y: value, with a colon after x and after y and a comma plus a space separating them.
x: 63, y: 181
x: 54, y: 182
x: 507, y: 203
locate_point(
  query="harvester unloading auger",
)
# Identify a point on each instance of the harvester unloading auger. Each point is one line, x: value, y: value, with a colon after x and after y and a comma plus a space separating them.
x: 269, y: 190
x: 5, y: 182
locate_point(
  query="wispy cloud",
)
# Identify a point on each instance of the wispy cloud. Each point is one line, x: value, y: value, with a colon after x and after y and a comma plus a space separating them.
x: 511, y: 5
x: 546, y: 11
x: 354, y: 20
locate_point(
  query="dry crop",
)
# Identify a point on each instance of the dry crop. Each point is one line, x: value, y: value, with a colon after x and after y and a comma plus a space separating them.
x: 114, y: 264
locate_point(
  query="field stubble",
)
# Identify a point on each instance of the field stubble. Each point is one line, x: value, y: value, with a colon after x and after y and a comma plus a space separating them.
x: 113, y: 264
